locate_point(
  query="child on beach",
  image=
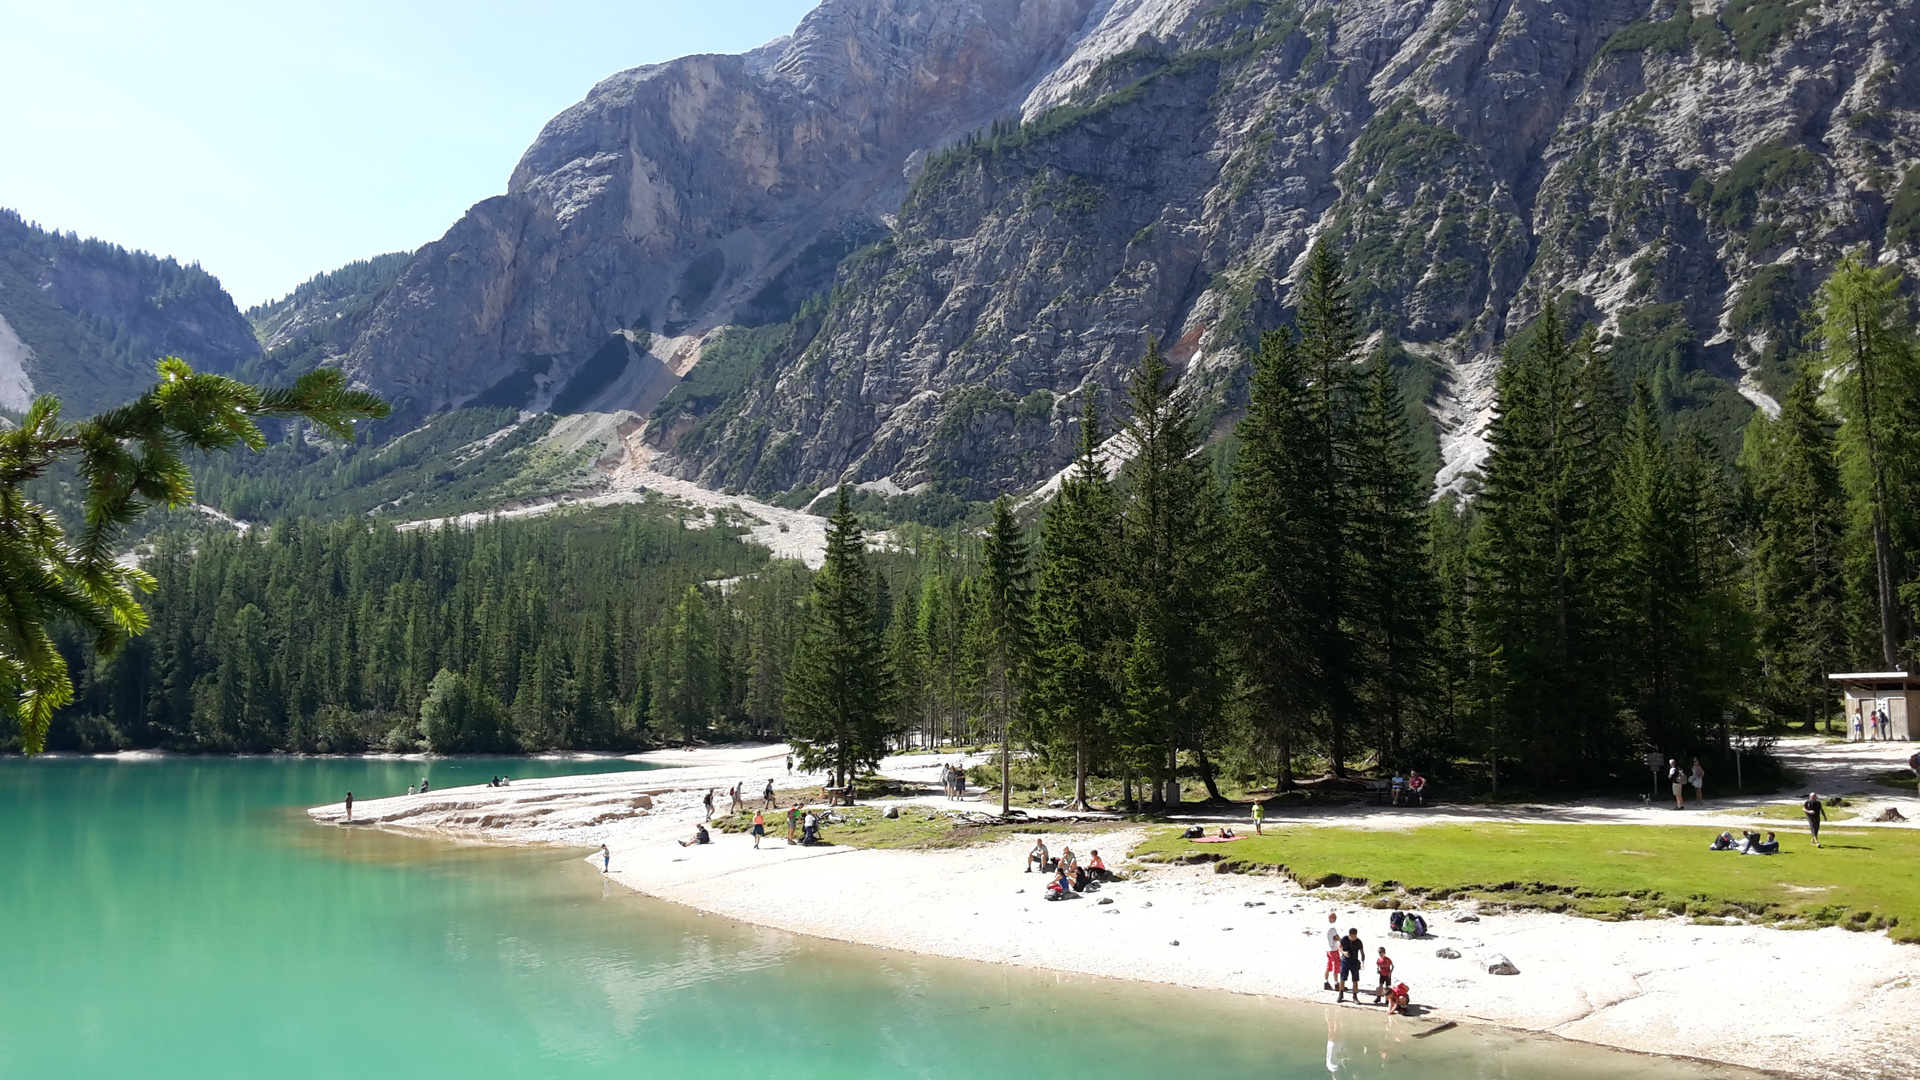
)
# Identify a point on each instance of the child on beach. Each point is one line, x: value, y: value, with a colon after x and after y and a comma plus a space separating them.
x: 707, y: 801
x: 1259, y: 815
x: 1385, y: 967
x: 1397, y: 999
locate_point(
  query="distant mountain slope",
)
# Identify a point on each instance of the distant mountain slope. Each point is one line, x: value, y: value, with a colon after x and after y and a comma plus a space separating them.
x: 915, y: 234
x: 86, y: 319
x: 317, y: 304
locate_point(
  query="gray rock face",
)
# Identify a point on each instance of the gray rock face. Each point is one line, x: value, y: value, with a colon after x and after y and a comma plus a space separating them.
x: 1498, y: 964
x: 1157, y: 168
x: 682, y: 196
x: 86, y: 319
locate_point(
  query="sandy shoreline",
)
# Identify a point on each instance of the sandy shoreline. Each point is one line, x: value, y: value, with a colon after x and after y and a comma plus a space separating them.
x: 1825, y: 1003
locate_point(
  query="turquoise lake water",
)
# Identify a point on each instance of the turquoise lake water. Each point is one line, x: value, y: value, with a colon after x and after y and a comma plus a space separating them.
x: 183, y: 918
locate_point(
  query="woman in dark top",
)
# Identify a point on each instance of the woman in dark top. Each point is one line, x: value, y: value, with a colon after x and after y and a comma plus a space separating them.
x: 1815, y: 811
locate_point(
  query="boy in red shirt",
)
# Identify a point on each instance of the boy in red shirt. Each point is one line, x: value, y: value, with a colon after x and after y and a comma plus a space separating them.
x: 1385, y: 967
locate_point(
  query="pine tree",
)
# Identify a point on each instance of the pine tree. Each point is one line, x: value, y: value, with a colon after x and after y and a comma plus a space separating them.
x: 839, y: 690
x: 1543, y: 602
x: 1799, y: 580
x: 1392, y: 594
x: 685, y: 675
x: 1659, y: 588
x: 1869, y: 349
x: 1168, y: 529
x: 1004, y: 633
x: 1284, y: 551
x: 1328, y: 340
x: 1076, y: 622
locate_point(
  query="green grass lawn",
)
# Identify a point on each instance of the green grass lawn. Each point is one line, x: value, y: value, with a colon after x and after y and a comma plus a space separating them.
x: 1787, y: 812
x: 1901, y: 779
x: 1864, y: 879
x: 916, y: 827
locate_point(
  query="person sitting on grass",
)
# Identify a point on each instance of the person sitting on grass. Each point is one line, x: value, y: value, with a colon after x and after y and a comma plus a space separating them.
x: 1038, y: 857
x: 1226, y: 833
x: 1385, y: 967
x: 700, y: 836
x: 1397, y: 999
x: 1769, y: 846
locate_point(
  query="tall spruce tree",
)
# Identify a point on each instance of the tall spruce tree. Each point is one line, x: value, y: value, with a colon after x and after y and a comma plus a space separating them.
x: 1869, y: 350
x: 1004, y: 634
x: 1659, y: 585
x: 1799, y: 582
x: 1168, y: 530
x: 1077, y: 622
x: 1393, y: 595
x: 1329, y: 336
x: 1285, y: 544
x: 1543, y: 602
x: 839, y: 689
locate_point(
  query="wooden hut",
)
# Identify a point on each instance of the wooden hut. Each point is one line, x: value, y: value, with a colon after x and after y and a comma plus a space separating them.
x: 1868, y: 691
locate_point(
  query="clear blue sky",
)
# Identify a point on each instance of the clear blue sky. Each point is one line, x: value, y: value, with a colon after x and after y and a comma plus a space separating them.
x: 273, y: 139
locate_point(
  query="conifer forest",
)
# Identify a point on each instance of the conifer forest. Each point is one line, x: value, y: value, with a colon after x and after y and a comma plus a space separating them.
x: 1282, y: 603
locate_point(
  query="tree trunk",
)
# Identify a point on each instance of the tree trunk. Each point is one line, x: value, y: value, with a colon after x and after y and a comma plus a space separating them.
x: 1206, y: 777
x: 1126, y: 793
x: 1006, y: 766
x: 1080, y: 773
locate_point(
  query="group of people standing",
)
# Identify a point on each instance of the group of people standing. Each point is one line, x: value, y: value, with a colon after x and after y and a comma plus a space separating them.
x: 1347, y: 956
x: 1876, y: 725
x: 1679, y: 778
x: 953, y: 779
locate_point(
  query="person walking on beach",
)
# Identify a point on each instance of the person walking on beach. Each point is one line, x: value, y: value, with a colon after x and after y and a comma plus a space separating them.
x: 1815, y: 811
x: 1333, y: 951
x: 708, y: 800
x: 759, y: 828
x: 789, y: 764
x: 738, y: 804
x: 766, y: 797
x: 423, y: 785
x: 1259, y: 815
x: 1699, y: 782
x: 606, y: 859
x: 349, y: 806
x: 1679, y: 781
x: 793, y: 821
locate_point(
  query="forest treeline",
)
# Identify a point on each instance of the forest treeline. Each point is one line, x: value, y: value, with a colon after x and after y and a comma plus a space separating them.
x: 1286, y: 603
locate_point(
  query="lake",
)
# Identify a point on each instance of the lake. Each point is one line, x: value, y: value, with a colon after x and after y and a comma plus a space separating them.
x: 181, y: 917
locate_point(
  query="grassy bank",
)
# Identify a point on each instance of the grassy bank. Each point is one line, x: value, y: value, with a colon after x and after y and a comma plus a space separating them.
x: 1863, y: 879
x: 917, y: 827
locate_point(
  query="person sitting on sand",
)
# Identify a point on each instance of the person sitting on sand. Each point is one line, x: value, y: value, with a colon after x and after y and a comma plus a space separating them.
x: 700, y: 836
x: 1397, y: 999
x: 1385, y: 967
x: 1097, y: 869
x: 1068, y: 860
x: 1059, y: 888
x: 1038, y: 857
x: 1723, y: 842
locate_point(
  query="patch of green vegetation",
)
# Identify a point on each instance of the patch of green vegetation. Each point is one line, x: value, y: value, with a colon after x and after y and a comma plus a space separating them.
x: 1862, y: 879
x: 1656, y: 344
x: 1769, y: 167
x: 868, y: 827
x: 458, y: 461
x: 1653, y: 35
x: 1788, y: 812
x: 1758, y: 25
x: 727, y: 364
x: 1903, y: 215
x: 1901, y: 779
x: 1420, y: 382
x: 1769, y: 305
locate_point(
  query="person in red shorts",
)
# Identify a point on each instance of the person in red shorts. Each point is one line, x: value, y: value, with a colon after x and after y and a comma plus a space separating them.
x: 1333, y: 952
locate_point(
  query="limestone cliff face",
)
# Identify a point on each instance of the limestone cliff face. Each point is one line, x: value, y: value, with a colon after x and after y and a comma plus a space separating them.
x: 1681, y: 173
x: 684, y: 196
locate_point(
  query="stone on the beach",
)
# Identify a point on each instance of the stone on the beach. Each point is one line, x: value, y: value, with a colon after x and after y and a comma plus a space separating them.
x: 1175, y: 941
x: 893, y: 812
x: 1106, y: 900
x: 1500, y: 965
x: 1448, y: 954
x: 1147, y: 904
x: 1468, y: 918
x: 643, y: 802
